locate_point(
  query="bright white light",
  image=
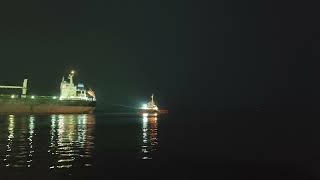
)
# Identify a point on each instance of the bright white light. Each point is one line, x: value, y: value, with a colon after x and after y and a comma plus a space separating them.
x: 145, y: 114
x: 32, y: 97
x: 54, y: 97
x: 144, y: 106
x: 12, y: 96
x: 145, y: 119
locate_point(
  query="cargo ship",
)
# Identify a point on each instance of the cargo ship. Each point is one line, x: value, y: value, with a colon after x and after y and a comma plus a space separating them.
x: 73, y: 99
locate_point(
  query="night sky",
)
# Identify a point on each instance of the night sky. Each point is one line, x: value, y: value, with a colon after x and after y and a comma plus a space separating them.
x: 206, y: 54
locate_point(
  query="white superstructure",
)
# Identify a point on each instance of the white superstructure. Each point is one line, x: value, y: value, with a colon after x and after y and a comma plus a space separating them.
x: 150, y: 105
x: 68, y: 90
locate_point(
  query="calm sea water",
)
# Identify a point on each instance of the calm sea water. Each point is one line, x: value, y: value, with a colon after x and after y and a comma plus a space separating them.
x: 77, y: 146
x: 185, y: 146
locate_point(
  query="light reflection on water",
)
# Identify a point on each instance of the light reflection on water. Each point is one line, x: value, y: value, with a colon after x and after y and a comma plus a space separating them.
x: 149, y: 136
x: 69, y: 144
x: 72, y: 141
x: 19, y: 151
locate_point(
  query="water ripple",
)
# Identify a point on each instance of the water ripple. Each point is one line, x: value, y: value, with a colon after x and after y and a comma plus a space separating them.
x: 149, y: 137
x: 71, y: 141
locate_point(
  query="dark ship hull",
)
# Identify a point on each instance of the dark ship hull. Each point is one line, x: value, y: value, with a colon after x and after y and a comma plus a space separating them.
x: 46, y: 105
x: 148, y: 111
x: 151, y: 112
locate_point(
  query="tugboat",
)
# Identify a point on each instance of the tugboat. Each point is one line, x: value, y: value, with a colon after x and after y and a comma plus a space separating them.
x: 149, y: 109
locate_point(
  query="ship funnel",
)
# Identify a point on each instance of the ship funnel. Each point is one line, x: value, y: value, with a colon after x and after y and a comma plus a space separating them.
x: 25, y: 87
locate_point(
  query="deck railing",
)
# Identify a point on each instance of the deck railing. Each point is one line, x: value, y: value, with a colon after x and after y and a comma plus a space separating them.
x: 6, y: 96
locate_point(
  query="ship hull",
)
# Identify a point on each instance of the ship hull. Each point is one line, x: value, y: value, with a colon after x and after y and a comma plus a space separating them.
x: 45, y: 106
x: 144, y: 111
x: 150, y: 112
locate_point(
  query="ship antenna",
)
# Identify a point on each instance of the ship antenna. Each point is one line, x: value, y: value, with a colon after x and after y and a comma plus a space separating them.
x: 152, y: 99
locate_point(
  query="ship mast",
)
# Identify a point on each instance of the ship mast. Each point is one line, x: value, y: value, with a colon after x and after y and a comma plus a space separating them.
x: 71, y: 77
x: 152, y: 102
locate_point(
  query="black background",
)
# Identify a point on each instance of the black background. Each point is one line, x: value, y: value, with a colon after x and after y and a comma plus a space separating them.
x: 256, y: 59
